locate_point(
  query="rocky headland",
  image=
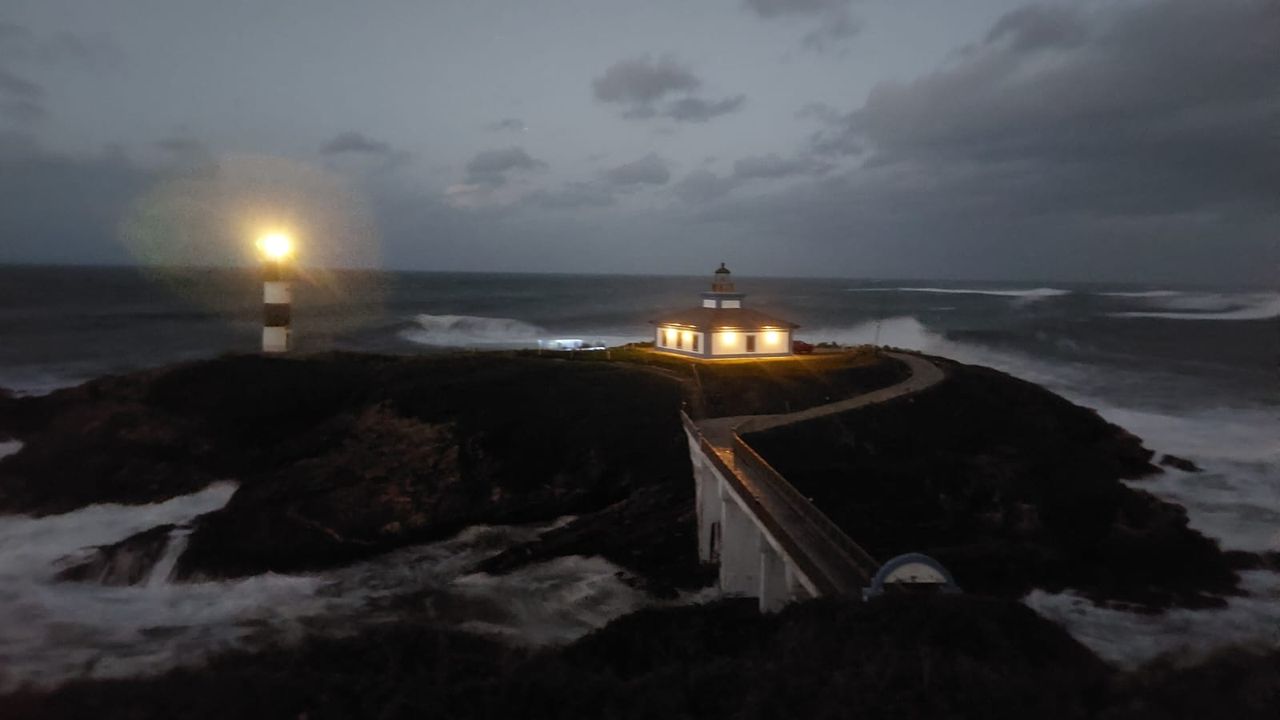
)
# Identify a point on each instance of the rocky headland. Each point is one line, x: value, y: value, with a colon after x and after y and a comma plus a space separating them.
x: 340, y: 457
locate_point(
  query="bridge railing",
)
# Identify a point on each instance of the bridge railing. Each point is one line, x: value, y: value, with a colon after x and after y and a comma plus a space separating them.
x: 822, y: 551
x: 859, y: 564
x: 853, y: 567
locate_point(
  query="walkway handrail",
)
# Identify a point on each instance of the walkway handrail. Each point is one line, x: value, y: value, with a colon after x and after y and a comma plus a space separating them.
x: 821, y: 550
x: 861, y: 566
x: 788, y: 537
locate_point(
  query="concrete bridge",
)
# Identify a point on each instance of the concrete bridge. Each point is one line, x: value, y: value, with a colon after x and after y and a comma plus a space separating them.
x: 772, y: 543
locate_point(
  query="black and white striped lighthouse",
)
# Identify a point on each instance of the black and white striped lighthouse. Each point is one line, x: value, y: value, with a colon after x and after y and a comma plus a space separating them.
x: 277, y: 293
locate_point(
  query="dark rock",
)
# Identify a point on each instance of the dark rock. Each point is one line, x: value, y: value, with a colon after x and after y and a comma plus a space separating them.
x: 1236, y: 683
x: 920, y: 657
x: 391, y: 481
x: 1178, y: 463
x: 128, y: 562
x: 1008, y: 485
x: 652, y: 532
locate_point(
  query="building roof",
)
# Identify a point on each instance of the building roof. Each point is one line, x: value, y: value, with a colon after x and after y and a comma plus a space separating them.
x: 706, y: 319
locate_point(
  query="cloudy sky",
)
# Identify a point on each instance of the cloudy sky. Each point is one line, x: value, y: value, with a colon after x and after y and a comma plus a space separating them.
x: 1132, y: 140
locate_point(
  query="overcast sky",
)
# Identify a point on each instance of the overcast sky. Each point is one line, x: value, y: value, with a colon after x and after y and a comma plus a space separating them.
x: 1133, y: 140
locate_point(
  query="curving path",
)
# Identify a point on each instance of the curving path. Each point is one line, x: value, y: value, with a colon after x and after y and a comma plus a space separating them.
x: 924, y: 374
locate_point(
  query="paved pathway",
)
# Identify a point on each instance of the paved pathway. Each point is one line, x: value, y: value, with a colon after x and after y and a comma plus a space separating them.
x: 924, y: 374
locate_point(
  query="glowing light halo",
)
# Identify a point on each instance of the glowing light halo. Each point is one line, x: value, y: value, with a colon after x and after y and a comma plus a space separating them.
x: 275, y: 245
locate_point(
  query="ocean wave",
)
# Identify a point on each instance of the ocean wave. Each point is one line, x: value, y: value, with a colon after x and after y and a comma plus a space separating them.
x: 1024, y: 294
x: 52, y: 631
x: 1212, y: 307
x: 472, y: 331
x: 1143, y: 294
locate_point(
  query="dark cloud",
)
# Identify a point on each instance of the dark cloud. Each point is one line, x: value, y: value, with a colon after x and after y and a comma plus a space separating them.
x: 21, y: 101
x: 779, y: 8
x: 66, y: 209
x: 774, y: 166
x: 692, y: 109
x: 835, y: 29
x: 1161, y: 107
x: 356, y: 143
x: 1039, y: 26
x: 575, y: 195
x: 95, y: 51
x: 493, y: 167
x: 702, y: 186
x: 644, y: 88
x: 1089, y: 141
x: 639, y: 82
x: 507, y: 124
x: 835, y: 22
x: 648, y: 170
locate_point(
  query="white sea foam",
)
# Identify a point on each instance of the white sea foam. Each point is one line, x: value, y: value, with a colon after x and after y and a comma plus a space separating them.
x: 53, y: 631
x: 1129, y: 639
x: 1143, y: 294
x: 1260, y: 306
x: 472, y: 331
x: 1021, y: 293
x: 551, y: 602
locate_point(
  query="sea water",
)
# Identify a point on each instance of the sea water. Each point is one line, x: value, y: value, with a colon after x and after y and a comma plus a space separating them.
x: 1191, y: 370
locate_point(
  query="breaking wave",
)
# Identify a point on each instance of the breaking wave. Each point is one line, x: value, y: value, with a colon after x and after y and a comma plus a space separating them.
x: 1212, y: 307
x: 1024, y: 294
x: 53, y: 631
x: 472, y: 331
x: 1143, y: 294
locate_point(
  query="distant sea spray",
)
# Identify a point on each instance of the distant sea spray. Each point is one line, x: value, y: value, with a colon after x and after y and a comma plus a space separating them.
x: 474, y: 331
x: 471, y: 331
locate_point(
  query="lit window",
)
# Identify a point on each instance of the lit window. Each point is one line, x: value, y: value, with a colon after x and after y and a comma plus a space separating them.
x: 771, y: 338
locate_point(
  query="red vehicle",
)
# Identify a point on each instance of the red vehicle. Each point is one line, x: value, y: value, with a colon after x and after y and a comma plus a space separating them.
x: 801, y: 347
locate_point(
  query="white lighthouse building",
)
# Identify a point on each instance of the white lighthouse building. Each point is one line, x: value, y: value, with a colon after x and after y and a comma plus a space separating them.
x: 722, y: 328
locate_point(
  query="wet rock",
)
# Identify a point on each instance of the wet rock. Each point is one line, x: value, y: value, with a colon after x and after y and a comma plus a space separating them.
x: 391, y: 481
x: 652, y: 532
x: 128, y: 562
x: 1179, y: 463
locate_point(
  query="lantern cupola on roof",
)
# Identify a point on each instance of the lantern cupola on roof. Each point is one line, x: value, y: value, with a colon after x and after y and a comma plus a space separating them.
x: 722, y: 294
x: 722, y: 281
